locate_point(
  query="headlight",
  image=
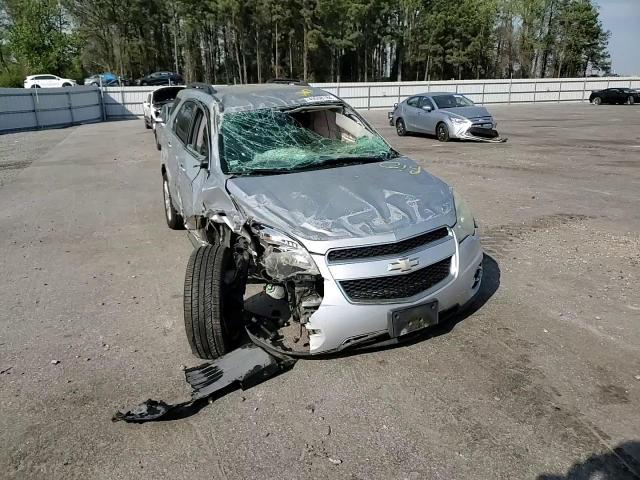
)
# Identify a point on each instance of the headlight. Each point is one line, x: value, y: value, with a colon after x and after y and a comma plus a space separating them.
x: 465, y: 223
x: 459, y: 121
x: 283, y: 256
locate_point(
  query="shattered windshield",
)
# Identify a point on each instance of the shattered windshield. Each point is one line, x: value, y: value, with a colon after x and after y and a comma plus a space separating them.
x: 452, y: 101
x: 286, y: 140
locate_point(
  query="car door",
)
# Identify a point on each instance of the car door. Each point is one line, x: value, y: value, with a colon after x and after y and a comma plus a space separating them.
x: 162, y: 78
x: 49, y: 81
x: 177, y: 140
x: 428, y: 118
x: 610, y: 95
x: 411, y: 113
x: 194, y: 162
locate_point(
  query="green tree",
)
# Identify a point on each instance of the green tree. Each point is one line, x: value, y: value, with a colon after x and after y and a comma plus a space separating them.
x: 40, y: 36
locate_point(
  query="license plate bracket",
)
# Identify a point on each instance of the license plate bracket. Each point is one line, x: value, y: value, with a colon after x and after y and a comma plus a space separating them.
x: 407, y: 320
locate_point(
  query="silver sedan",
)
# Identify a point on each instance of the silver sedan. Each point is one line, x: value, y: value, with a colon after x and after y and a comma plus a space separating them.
x: 445, y: 115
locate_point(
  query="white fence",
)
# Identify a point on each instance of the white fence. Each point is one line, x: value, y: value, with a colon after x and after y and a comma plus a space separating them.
x: 127, y: 101
x: 27, y: 109
x: 22, y: 109
x: 385, y: 94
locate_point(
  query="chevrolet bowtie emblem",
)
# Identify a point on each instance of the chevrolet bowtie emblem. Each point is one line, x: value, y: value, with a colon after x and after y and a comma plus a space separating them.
x: 404, y: 264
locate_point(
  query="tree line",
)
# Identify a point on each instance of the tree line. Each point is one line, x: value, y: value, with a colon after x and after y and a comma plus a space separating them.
x: 236, y: 41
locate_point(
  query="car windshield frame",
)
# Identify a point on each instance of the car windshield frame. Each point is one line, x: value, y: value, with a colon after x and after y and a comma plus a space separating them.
x: 288, y: 138
x: 445, y: 101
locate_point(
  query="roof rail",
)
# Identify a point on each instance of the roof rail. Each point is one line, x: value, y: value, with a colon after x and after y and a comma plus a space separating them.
x: 288, y: 81
x: 207, y: 88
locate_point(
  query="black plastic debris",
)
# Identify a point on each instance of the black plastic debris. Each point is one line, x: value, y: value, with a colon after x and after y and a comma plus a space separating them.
x: 245, y: 367
x: 145, y: 412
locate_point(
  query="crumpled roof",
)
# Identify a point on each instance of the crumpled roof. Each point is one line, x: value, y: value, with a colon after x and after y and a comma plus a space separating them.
x: 235, y: 98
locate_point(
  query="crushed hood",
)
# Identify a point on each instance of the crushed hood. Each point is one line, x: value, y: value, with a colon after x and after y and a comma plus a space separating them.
x: 469, y: 112
x: 344, y: 202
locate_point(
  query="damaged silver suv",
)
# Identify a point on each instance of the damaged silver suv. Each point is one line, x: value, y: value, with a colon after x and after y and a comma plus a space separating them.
x: 289, y: 187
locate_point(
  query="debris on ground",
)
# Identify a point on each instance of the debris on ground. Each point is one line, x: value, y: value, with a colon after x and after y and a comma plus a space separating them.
x: 55, y: 362
x: 245, y: 367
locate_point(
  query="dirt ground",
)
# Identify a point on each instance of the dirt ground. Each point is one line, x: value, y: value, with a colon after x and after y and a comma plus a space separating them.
x: 541, y: 381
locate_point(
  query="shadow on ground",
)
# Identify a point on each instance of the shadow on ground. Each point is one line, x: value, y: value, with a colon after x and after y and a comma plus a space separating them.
x: 621, y: 463
x: 243, y: 374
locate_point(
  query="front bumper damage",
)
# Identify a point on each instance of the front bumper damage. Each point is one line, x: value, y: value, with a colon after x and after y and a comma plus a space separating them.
x: 260, y: 358
x: 479, y: 134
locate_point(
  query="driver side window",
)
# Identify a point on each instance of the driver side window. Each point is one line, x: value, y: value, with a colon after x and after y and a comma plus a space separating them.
x: 182, y: 121
x: 426, y: 102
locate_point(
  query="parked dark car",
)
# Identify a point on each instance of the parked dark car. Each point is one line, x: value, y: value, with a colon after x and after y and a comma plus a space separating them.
x: 615, y: 96
x: 161, y: 78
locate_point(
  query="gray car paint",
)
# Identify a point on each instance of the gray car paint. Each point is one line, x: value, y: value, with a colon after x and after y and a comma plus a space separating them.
x: 425, y: 121
x: 468, y: 112
x: 346, y: 202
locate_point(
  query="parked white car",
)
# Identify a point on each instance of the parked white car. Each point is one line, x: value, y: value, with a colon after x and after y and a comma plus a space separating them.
x: 47, y: 81
x: 154, y: 102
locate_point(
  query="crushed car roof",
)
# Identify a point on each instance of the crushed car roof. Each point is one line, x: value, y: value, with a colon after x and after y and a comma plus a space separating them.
x: 234, y: 98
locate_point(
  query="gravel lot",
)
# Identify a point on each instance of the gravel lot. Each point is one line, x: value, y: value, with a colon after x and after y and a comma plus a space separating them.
x: 541, y: 382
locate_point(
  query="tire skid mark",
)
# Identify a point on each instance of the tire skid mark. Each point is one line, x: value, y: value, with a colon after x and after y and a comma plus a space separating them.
x: 504, y: 239
x: 529, y: 398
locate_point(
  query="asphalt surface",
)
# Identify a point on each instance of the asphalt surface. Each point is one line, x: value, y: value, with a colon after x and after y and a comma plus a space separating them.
x: 542, y: 381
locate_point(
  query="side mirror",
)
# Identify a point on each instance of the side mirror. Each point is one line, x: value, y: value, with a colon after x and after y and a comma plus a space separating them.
x: 395, y: 105
x: 427, y: 108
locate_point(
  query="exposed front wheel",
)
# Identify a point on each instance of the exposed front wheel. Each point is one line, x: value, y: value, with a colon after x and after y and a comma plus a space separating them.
x: 146, y: 123
x: 401, y: 129
x: 174, y: 219
x: 213, y: 301
x: 631, y: 100
x: 442, y: 132
x: 597, y: 101
x: 66, y: 84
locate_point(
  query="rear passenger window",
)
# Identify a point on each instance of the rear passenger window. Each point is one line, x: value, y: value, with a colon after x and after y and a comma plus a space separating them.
x: 200, y: 135
x: 183, y: 121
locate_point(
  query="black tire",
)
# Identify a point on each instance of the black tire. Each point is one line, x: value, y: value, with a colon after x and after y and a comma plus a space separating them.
x: 213, y: 301
x: 597, y: 101
x: 156, y: 137
x: 442, y: 132
x: 401, y: 128
x: 631, y: 100
x: 35, y: 86
x: 146, y: 123
x: 66, y: 84
x: 174, y: 219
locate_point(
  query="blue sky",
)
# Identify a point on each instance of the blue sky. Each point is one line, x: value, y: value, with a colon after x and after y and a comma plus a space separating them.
x: 622, y: 19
